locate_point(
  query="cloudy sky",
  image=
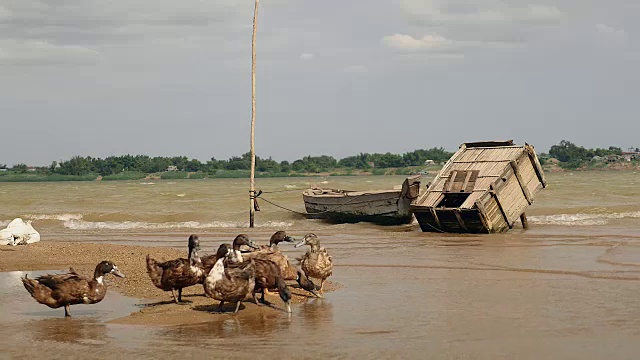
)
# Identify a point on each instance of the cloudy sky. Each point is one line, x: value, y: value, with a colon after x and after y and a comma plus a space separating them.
x: 165, y: 77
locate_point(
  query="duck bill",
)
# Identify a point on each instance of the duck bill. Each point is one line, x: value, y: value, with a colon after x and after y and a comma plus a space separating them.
x: 117, y: 272
x: 253, y: 245
x: 301, y: 243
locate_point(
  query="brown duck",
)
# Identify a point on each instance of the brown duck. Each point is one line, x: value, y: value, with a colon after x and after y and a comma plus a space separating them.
x: 316, y: 262
x: 71, y: 288
x: 178, y: 273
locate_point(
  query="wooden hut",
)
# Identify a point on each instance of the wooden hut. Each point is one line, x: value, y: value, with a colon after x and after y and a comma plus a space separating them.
x: 485, y: 187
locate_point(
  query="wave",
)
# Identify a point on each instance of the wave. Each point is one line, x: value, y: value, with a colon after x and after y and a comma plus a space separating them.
x: 582, y: 219
x: 131, y: 225
x: 61, y: 217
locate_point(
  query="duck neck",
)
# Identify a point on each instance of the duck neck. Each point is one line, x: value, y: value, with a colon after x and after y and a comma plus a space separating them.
x: 98, y: 275
x: 194, y: 258
x: 217, y: 271
x: 315, y: 247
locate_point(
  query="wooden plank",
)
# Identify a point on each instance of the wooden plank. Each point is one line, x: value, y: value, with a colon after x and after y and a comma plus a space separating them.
x: 523, y: 185
x: 452, y: 179
x: 504, y: 214
x: 536, y: 165
x: 460, y: 220
x: 466, y: 181
x: 523, y: 219
x: 476, y: 144
x: 435, y: 217
x: 486, y: 221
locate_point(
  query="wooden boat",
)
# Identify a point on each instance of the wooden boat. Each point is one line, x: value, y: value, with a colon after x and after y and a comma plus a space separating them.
x: 386, y: 207
x: 485, y: 187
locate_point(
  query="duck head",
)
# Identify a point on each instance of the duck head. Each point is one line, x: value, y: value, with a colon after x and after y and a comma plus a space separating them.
x: 106, y: 267
x: 279, y: 237
x: 225, y: 251
x: 311, y: 240
x: 243, y: 239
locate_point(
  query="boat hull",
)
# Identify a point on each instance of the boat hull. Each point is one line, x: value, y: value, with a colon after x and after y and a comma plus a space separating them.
x: 386, y: 207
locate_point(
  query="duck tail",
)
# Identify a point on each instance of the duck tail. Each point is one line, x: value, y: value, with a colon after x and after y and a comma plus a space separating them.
x: 41, y: 293
x: 29, y: 284
x: 155, y: 271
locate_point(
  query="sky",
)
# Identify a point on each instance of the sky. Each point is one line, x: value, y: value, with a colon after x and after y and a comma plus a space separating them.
x: 167, y: 78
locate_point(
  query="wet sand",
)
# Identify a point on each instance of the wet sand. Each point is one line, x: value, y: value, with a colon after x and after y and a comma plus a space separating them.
x: 157, y: 306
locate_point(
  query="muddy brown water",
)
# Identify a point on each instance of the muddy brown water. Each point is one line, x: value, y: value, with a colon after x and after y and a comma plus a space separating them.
x: 568, y: 288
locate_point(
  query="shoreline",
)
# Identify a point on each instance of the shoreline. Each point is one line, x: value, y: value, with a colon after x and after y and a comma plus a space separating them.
x: 156, y: 306
x: 551, y: 167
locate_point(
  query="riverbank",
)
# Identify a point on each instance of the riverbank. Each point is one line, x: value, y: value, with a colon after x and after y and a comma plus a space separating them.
x: 157, y: 307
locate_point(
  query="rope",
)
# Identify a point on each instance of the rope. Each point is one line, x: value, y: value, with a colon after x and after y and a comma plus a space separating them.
x: 279, y: 191
x: 284, y: 208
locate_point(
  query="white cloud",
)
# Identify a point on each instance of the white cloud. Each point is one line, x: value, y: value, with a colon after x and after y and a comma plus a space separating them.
x: 409, y: 43
x: 436, y: 44
x: 610, y: 31
x: 356, y: 69
x: 306, y: 56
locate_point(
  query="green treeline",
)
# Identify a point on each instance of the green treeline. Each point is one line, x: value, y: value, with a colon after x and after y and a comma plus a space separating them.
x: 573, y: 156
x: 136, y: 166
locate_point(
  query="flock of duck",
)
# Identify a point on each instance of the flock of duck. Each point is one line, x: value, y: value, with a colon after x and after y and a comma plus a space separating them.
x: 229, y: 275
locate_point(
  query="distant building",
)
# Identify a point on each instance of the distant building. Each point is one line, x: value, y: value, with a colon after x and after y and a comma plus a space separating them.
x: 172, y: 168
x: 632, y: 154
x: 371, y: 164
x: 429, y: 162
x: 31, y: 168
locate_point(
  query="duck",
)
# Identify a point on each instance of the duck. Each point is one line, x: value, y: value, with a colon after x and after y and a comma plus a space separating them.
x: 238, y: 242
x: 316, y: 262
x: 229, y: 284
x: 178, y: 273
x: 276, y: 238
x: 71, y: 288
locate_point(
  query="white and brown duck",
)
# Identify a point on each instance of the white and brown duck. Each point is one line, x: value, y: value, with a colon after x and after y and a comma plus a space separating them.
x: 230, y: 284
x: 71, y: 288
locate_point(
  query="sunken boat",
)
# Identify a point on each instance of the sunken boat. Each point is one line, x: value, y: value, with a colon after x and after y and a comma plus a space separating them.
x: 385, y: 207
x: 485, y: 187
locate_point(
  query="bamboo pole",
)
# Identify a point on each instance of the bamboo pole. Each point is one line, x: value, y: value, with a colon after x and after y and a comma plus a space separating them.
x: 252, y: 191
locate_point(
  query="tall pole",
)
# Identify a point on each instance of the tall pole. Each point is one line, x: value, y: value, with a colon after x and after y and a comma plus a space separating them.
x: 252, y: 192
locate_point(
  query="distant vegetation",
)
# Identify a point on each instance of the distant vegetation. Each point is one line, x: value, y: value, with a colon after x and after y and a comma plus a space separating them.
x: 130, y: 167
x: 572, y: 156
